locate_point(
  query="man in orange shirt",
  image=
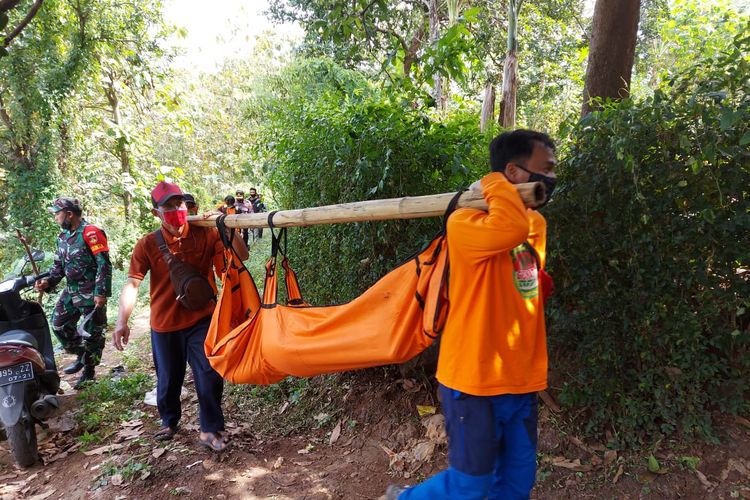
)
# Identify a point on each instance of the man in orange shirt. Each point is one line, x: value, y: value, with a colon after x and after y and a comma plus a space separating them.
x: 177, y: 333
x: 493, y: 352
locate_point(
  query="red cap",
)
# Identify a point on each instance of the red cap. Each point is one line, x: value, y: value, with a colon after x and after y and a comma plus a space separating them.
x: 164, y: 191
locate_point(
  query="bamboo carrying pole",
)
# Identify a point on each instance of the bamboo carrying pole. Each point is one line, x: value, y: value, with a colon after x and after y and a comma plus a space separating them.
x: 409, y: 207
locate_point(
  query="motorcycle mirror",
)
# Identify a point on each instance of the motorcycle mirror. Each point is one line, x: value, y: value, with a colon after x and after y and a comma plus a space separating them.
x: 37, y: 255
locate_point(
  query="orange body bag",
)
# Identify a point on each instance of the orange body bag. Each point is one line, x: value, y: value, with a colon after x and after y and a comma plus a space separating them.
x: 262, y: 342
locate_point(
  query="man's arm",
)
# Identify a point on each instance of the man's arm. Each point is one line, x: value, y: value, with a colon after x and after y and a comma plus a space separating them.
x: 505, y: 225
x: 128, y: 297
x: 56, y: 273
x: 103, y: 283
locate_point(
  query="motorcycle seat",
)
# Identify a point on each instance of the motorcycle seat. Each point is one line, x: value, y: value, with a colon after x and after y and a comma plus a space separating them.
x: 18, y: 337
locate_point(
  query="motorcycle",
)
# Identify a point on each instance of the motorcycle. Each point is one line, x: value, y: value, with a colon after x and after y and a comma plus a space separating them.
x: 28, y: 375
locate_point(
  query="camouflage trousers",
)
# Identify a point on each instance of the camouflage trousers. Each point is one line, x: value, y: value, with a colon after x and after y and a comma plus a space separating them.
x: 70, y: 308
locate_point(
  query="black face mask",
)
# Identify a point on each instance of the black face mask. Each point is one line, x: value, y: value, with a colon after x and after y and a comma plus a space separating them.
x: 240, y: 200
x: 549, y: 182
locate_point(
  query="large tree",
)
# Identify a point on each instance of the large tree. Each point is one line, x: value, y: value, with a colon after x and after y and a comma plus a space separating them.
x: 614, y: 31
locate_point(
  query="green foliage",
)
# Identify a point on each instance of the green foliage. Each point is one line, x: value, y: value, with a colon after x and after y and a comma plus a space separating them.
x: 107, y: 401
x: 651, y: 239
x: 330, y: 137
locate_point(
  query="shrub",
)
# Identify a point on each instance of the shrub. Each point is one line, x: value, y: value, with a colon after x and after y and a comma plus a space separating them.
x: 331, y: 137
x: 650, y: 234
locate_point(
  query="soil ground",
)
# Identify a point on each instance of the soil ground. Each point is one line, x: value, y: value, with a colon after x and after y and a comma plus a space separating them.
x: 370, y: 436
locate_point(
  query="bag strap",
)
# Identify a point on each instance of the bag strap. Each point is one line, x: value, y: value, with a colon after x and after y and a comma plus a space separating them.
x: 452, y: 205
x: 162, y: 244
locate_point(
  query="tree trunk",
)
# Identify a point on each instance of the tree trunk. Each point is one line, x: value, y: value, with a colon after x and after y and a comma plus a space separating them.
x: 437, y: 87
x: 411, y: 53
x: 614, y: 30
x: 488, y: 107
x: 121, y: 149
x: 507, y: 117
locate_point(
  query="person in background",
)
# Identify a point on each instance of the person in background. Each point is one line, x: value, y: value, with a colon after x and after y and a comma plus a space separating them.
x: 191, y: 204
x: 177, y: 333
x: 243, y: 207
x: 258, y: 206
x: 493, y: 350
x: 82, y: 258
x: 228, y: 207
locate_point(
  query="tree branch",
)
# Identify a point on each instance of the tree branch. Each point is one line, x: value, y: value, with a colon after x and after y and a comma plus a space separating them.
x: 26, y: 20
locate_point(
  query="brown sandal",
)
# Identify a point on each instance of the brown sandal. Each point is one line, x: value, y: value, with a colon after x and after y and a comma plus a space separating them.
x: 165, y: 434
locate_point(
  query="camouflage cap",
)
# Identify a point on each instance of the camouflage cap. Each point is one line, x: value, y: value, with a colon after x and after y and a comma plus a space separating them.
x: 64, y: 203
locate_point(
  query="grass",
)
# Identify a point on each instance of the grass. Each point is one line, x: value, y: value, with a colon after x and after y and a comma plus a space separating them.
x: 293, y: 405
x: 107, y: 402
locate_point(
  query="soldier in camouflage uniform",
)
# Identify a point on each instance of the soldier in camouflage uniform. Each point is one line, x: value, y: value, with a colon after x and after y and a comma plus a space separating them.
x: 82, y: 258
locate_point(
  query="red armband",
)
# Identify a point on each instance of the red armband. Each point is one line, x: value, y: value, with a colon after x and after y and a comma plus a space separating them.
x: 95, y: 239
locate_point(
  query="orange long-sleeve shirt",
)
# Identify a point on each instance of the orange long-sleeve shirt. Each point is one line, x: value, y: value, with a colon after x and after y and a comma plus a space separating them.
x: 494, y: 341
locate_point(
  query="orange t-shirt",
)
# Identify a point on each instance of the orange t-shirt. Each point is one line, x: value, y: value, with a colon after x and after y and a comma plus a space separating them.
x: 494, y: 341
x: 201, y: 247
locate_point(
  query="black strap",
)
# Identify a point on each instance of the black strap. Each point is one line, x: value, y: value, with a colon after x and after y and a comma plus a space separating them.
x: 452, y: 205
x: 162, y: 244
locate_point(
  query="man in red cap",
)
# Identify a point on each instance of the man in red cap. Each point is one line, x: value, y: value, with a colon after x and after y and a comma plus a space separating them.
x: 177, y: 333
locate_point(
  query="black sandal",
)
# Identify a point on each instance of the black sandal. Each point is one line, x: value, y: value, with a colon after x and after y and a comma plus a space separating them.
x: 165, y: 434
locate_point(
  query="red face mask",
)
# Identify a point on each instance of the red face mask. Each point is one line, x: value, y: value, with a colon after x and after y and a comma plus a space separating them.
x: 175, y: 218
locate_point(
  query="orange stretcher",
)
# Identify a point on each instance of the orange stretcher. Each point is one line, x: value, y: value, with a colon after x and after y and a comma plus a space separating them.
x: 256, y: 340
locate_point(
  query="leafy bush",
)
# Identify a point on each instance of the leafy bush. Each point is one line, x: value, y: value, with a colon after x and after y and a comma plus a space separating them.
x: 331, y: 137
x: 650, y: 235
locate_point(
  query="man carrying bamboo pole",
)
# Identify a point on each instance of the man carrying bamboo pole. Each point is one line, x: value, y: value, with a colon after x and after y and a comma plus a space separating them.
x: 178, y: 324
x: 493, y: 352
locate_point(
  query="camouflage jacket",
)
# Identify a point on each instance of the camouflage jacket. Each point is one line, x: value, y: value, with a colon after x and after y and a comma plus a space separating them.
x: 82, y: 258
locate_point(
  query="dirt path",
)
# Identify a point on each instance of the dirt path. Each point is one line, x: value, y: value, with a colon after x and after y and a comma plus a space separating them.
x: 295, y: 467
x: 378, y: 440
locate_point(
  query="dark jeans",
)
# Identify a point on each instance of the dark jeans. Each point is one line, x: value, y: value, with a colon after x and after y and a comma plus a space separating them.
x: 171, y: 352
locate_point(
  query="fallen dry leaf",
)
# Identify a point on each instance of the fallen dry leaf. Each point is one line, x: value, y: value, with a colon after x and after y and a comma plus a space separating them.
x: 580, y: 444
x: 132, y: 423
x: 423, y: 451
x: 158, y: 452
x: 104, y: 449
x: 435, y: 425
x: 733, y: 464
x: 549, y: 401
x: 145, y: 474
x: 42, y: 496
x: 116, y: 480
x: 279, y: 461
x: 307, y: 449
x: 335, y: 433
x: 302, y: 464
x: 619, y: 472
x: 63, y: 423
x: 57, y: 457
x: 609, y: 457
x: 708, y: 485
x: 129, y: 433
x: 574, y: 465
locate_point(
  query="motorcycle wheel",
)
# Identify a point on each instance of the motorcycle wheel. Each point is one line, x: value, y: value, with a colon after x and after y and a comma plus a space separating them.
x: 22, y: 441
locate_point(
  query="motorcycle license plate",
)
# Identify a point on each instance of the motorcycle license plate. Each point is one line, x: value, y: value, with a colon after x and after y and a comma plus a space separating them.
x: 16, y: 373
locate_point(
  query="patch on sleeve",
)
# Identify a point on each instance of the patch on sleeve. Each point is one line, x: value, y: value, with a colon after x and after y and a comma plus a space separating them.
x: 95, y: 239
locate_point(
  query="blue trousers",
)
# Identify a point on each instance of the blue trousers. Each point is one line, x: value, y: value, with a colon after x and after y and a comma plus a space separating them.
x: 491, y: 448
x: 171, y: 352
